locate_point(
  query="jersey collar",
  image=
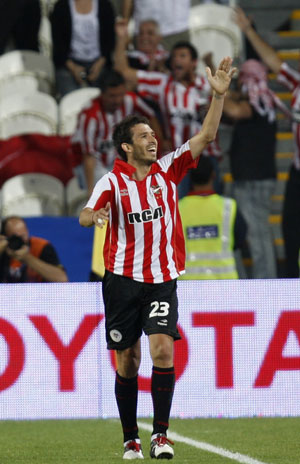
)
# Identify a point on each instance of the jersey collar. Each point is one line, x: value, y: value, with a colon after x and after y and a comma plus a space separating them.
x: 123, y: 167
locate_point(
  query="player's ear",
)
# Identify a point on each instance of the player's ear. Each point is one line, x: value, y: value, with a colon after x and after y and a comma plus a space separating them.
x: 126, y: 147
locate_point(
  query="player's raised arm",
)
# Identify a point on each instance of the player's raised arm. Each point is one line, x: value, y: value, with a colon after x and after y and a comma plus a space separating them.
x: 219, y: 84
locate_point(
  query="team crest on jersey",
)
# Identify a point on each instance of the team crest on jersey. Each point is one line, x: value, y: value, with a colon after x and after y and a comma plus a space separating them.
x: 124, y: 192
x: 147, y: 215
x: 157, y: 190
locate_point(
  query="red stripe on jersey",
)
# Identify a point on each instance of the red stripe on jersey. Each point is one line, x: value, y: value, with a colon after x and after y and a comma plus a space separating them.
x: 174, y: 214
x: 163, y: 257
x: 148, y: 233
x: 149, y: 81
x: 129, y: 230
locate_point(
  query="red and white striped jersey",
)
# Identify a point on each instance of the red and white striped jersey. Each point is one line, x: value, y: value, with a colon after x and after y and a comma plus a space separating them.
x: 93, y: 134
x: 183, y: 108
x: 144, y: 238
x: 291, y: 79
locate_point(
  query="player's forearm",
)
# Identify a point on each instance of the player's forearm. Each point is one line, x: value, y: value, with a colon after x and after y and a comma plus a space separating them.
x: 86, y: 217
x: 263, y: 49
x: 210, y: 126
x: 49, y: 272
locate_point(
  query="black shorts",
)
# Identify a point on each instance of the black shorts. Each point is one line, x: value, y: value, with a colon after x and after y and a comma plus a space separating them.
x: 132, y: 307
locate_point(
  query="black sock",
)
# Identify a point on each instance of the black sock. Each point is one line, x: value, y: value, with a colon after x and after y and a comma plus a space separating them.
x: 162, y: 388
x: 126, y: 392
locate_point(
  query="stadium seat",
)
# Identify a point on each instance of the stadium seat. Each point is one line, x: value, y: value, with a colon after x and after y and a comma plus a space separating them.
x: 28, y: 62
x: 212, y: 29
x: 33, y: 195
x: 28, y: 113
x: 70, y: 106
x: 18, y: 84
x: 76, y: 198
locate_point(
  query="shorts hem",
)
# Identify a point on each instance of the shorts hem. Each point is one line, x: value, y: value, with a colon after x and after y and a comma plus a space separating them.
x: 175, y: 335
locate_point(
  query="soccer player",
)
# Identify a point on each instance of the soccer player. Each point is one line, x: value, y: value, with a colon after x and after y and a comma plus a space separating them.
x: 144, y: 255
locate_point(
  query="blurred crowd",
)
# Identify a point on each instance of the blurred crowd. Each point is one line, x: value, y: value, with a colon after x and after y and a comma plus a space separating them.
x: 140, y: 57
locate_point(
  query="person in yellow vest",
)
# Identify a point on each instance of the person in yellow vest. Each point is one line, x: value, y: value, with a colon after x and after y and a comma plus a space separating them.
x: 212, y: 227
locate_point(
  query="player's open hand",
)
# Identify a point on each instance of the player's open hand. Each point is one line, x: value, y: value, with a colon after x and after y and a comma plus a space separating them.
x: 222, y: 78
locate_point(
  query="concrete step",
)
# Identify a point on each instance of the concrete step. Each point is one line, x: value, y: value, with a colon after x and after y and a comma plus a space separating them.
x: 295, y: 20
x: 269, y: 4
x: 281, y: 40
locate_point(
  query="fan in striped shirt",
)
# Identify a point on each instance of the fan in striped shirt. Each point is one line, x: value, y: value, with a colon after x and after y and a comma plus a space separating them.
x: 182, y: 95
x: 92, y: 139
x: 143, y: 255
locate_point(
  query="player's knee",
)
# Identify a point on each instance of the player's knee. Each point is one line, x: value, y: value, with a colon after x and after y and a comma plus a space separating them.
x: 162, y: 355
x: 128, y: 362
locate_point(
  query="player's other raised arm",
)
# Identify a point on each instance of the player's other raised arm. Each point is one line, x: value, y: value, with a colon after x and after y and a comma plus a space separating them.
x: 219, y: 84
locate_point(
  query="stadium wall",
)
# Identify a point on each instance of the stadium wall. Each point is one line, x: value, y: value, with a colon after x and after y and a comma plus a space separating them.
x: 239, y: 355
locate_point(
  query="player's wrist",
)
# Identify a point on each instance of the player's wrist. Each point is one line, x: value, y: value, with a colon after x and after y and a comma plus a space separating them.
x: 218, y: 96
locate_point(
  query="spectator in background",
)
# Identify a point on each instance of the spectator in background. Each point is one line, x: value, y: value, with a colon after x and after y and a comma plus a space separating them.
x: 83, y: 41
x: 20, y: 23
x: 212, y: 227
x: 252, y: 160
x: 291, y: 79
x: 171, y: 15
x: 182, y: 94
x: 27, y: 259
x: 92, y: 139
x: 148, y: 54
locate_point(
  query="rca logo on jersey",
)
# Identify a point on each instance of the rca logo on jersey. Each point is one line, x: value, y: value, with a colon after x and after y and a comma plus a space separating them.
x: 147, y: 215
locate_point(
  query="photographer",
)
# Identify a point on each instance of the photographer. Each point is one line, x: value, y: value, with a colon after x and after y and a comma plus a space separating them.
x: 27, y: 259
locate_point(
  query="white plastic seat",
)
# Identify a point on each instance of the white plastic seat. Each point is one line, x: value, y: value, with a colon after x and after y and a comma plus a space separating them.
x: 33, y: 194
x: 18, y: 84
x: 76, y: 198
x: 71, y: 105
x: 24, y: 114
x: 212, y: 29
x: 28, y: 62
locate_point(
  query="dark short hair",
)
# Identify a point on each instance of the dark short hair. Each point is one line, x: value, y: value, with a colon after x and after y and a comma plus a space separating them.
x: 122, y: 132
x: 203, y: 172
x: 110, y: 78
x: 185, y: 44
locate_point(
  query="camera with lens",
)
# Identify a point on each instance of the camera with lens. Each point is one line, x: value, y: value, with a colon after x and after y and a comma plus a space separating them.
x: 15, y: 242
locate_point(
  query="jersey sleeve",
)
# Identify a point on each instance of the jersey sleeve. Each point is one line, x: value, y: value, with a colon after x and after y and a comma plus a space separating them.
x: 289, y: 77
x: 178, y: 162
x: 102, y: 193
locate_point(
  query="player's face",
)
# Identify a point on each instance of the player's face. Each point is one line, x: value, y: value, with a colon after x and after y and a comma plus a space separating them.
x: 148, y: 38
x: 112, y: 98
x: 182, y: 64
x: 144, y: 145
